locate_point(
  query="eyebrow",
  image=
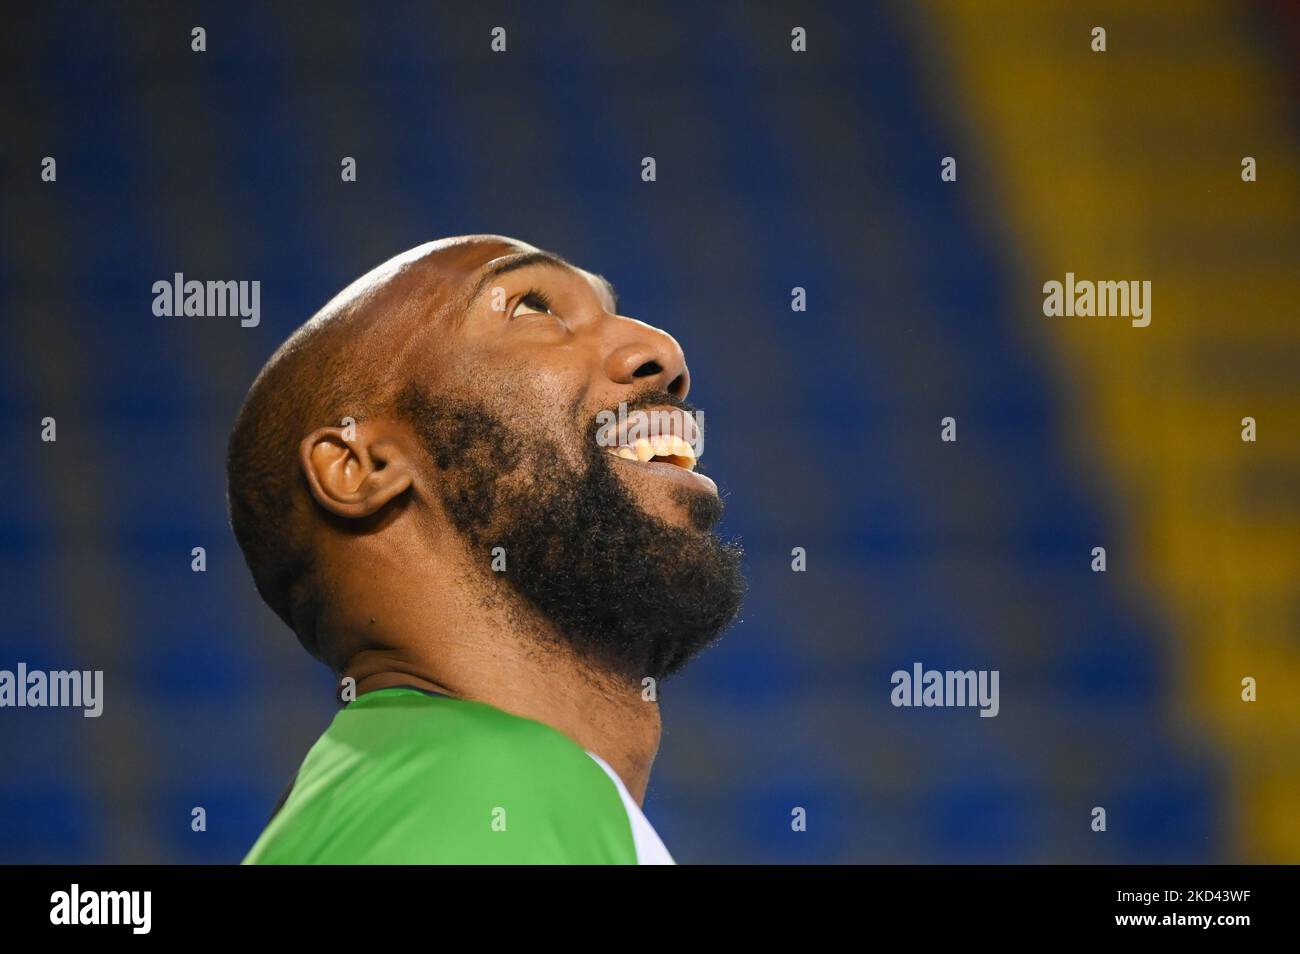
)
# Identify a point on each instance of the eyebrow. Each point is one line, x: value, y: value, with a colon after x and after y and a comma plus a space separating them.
x: 524, y: 260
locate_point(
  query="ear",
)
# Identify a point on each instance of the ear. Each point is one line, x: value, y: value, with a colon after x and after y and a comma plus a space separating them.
x: 354, y: 471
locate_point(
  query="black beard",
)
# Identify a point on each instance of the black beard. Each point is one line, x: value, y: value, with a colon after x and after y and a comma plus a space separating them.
x: 629, y: 592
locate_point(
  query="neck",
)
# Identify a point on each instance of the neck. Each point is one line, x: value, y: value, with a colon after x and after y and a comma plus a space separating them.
x: 486, y: 651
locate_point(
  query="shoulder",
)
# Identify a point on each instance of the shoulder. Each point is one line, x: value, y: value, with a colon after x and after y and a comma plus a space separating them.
x: 467, y: 747
x: 403, y: 776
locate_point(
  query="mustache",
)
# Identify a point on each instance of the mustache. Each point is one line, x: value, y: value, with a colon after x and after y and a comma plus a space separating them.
x: 654, y: 397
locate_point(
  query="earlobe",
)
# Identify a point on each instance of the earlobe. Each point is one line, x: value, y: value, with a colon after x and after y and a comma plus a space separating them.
x: 353, y: 472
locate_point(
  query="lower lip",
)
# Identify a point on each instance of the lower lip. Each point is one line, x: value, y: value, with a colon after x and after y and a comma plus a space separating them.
x: 687, y: 478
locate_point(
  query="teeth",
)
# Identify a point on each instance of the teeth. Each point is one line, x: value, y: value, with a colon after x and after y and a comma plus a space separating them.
x: 682, y: 448
x: 677, y: 450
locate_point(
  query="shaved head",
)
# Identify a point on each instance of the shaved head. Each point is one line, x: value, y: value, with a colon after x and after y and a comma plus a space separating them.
x: 338, y: 364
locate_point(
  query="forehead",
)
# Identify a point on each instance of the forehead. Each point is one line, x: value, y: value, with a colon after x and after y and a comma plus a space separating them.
x: 513, y: 259
x: 446, y: 282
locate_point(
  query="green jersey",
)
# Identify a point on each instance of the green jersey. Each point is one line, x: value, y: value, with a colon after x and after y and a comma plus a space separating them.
x: 403, y: 776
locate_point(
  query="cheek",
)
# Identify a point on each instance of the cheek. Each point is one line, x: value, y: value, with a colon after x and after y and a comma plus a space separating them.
x: 542, y: 401
x: 506, y: 381
x: 558, y: 387
x: 552, y: 393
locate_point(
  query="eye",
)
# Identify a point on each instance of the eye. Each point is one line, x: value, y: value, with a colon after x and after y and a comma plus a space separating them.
x: 533, y: 302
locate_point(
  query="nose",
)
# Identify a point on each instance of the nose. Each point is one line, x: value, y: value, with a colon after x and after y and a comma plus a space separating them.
x: 643, y: 355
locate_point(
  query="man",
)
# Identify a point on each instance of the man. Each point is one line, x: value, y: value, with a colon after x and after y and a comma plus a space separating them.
x: 467, y: 484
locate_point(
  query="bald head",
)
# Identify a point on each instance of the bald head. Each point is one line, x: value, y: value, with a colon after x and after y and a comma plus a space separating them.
x: 345, y: 362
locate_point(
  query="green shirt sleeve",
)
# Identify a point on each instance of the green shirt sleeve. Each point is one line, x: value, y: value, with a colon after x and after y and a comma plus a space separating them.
x: 405, y: 777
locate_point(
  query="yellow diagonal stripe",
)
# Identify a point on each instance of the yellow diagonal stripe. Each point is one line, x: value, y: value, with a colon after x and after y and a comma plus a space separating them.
x: 1126, y: 165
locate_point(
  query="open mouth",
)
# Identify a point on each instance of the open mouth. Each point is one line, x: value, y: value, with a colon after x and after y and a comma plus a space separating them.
x: 668, y: 450
x: 663, y: 435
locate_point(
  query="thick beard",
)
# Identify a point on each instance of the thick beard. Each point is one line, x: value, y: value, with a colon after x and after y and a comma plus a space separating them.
x: 628, y: 592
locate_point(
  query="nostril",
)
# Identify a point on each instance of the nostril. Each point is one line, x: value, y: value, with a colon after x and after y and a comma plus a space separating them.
x: 678, y: 386
x: 649, y: 369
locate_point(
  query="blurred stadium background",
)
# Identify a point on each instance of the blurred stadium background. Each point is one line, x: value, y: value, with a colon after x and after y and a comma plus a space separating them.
x: 775, y: 169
